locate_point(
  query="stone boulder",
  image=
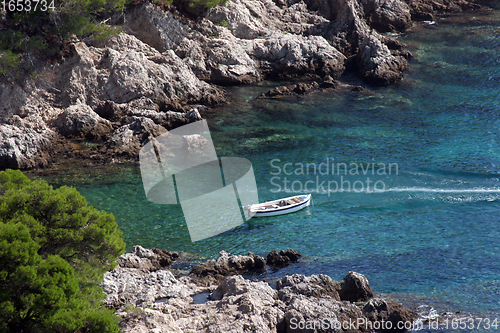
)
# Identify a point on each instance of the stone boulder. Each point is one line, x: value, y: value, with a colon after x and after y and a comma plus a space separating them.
x: 283, y: 258
x: 239, y: 305
x: 23, y: 147
x: 377, y: 64
x: 128, y: 139
x: 26, y: 116
x: 311, y: 286
x: 155, y: 27
x: 80, y: 121
x: 166, y: 119
x: 247, y: 19
x: 387, y: 15
x: 127, y: 70
x: 366, y: 50
x: 427, y: 9
x: 298, y: 89
x: 355, y: 288
x: 288, y: 54
x: 228, y: 63
x: 310, y: 314
x: 136, y: 287
x: 378, y: 310
x: 147, y: 259
x: 215, y: 270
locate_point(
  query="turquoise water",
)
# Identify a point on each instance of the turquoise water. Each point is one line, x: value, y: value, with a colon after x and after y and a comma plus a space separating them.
x: 430, y: 232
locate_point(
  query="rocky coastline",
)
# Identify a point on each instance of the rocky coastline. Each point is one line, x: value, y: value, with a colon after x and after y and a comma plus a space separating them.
x: 150, y: 295
x: 165, y: 68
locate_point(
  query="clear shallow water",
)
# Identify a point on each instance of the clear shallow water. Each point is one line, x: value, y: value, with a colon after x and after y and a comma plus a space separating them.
x: 430, y: 235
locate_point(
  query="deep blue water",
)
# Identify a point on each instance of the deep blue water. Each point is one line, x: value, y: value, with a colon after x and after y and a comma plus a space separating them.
x: 429, y: 235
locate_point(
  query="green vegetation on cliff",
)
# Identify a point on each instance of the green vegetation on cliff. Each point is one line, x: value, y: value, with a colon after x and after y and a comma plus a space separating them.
x: 54, y: 250
x: 41, y: 33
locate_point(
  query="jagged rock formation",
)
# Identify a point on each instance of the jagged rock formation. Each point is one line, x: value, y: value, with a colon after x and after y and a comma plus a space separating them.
x: 215, y: 270
x: 122, y: 91
x: 149, y: 298
x: 427, y: 9
x: 283, y: 258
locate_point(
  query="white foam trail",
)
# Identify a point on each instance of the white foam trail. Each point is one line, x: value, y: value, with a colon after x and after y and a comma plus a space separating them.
x: 439, y: 190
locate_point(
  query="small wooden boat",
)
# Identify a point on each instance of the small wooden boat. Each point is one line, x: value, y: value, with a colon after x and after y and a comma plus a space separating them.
x: 280, y: 206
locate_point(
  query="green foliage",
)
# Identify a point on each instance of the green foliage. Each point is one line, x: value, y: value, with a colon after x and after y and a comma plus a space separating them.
x: 54, y: 249
x: 198, y: 7
x: 9, y: 62
x: 42, y: 33
x: 223, y: 23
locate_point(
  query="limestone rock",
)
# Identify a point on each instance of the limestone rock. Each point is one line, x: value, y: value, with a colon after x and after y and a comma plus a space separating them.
x: 241, y: 306
x: 167, y: 119
x: 312, y: 286
x: 128, y: 71
x: 387, y: 15
x: 155, y: 27
x: 82, y: 122
x: 213, y: 271
x: 355, y: 288
x: 298, y: 89
x: 320, y: 315
x: 376, y: 63
x: 141, y: 288
x: 282, y: 259
x: 22, y: 147
x: 389, y: 311
x: 295, y: 54
x: 147, y: 259
x: 128, y: 139
x: 427, y: 9
x: 25, y: 118
x: 164, y: 303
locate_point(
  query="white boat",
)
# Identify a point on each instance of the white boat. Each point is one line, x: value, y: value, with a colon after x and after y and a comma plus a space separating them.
x: 280, y: 206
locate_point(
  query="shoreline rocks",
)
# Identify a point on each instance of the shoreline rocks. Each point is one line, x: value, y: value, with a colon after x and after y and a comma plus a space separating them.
x: 149, y: 297
x: 215, y: 270
x: 165, y: 64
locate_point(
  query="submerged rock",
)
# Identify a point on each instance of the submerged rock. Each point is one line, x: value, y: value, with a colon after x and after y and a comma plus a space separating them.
x: 283, y: 258
x: 294, y: 89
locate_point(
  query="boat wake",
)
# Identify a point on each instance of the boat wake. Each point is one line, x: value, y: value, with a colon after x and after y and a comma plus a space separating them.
x: 439, y: 190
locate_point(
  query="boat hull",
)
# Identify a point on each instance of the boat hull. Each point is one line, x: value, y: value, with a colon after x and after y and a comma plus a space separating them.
x: 283, y: 210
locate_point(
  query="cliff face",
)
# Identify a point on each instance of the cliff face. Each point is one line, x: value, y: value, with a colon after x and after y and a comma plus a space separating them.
x: 121, y: 91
